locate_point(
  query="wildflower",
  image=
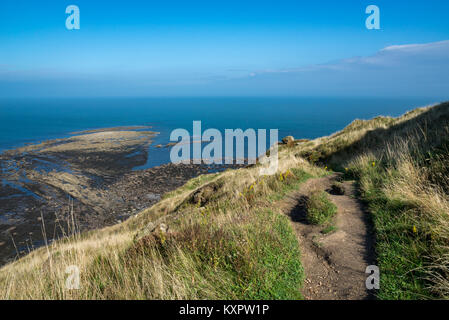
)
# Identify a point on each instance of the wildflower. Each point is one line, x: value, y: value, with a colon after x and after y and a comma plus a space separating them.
x: 414, y: 229
x: 325, y: 168
x: 162, y: 237
x: 346, y: 169
x: 373, y: 163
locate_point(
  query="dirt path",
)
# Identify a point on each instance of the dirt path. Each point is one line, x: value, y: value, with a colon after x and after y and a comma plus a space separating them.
x: 335, y: 262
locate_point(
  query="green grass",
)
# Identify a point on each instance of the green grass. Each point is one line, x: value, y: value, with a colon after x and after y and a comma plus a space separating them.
x: 402, y: 245
x: 400, y: 251
x: 235, y: 245
x: 401, y: 166
x: 253, y: 255
x: 319, y: 208
x: 329, y: 229
x: 192, y: 184
x: 277, y: 272
x: 285, y: 183
x: 257, y: 255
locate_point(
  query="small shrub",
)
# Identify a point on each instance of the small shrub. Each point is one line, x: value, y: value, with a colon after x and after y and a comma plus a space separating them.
x: 329, y: 229
x: 337, y: 188
x: 319, y: 208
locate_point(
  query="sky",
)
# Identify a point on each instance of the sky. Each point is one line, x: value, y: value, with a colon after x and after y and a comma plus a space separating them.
x: 224, y: 48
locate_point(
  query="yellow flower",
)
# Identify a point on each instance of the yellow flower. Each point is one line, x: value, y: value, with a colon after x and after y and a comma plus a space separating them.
x: 163, y: 238
x: 414, y: 229
x: 325, y: 168
x: 374, y: 163
x: 346, y: 169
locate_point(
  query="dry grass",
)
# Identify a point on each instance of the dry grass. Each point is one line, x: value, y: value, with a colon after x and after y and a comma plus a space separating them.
x: 226, y: 240
x: 235, y: 246
x: 402, y: 167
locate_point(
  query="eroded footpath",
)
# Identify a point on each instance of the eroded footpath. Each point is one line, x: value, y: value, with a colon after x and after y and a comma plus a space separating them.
x: 334, y: 262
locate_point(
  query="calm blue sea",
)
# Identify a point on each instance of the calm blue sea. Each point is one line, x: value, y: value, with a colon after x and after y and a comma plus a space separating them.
x: 32, y: 120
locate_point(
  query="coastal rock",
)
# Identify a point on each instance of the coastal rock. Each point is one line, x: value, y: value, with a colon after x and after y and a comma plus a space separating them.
x: 288, y: 140
x: 202, y: 196
x: 153, y: 228
x: 162, y: 228
x: 153, y: 196
x: 170, y: 144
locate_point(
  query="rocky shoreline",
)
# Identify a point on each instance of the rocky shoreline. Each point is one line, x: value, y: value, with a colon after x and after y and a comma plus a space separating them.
x: 88, y: 177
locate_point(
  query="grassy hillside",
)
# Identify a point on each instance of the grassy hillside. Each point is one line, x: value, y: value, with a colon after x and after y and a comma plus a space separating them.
x: 225, y: 240
x: 221, y: 236
x: 402, y: 166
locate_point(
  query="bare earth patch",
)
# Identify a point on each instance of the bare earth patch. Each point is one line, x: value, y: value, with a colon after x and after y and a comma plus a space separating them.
x: 334, y: 262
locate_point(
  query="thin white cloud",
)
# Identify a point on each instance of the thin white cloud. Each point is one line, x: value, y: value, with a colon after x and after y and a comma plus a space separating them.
x: 399, y: 70
x: 388, y: 56
x: 417, y: 47
x: 406, y: 70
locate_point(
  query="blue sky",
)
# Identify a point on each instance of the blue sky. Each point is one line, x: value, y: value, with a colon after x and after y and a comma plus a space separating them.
x: 178, y: 48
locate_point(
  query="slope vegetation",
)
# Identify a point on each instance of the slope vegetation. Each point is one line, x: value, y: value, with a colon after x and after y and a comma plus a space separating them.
x: 402, y: 166
x: 223, y: 236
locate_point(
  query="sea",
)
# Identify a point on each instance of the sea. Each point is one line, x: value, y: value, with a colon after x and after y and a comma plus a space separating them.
x: 24, y: 121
